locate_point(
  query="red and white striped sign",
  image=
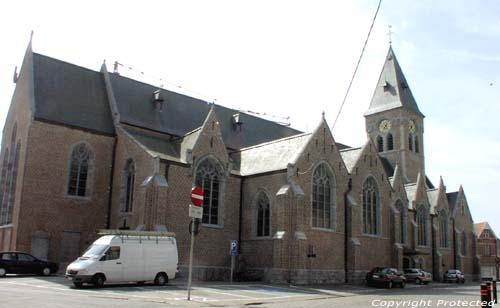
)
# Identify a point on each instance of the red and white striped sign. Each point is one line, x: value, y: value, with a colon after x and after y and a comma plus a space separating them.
x: 196, y: 196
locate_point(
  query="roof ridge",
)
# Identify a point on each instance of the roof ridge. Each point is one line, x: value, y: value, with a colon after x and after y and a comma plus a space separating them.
x: 350, y: 149
x: 66, y: 62
x: 272, y: 142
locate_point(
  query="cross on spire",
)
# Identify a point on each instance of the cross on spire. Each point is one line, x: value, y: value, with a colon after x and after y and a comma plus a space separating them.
x: 390, y: 35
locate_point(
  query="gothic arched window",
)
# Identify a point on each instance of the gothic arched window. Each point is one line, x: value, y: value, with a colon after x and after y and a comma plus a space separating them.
x: 13, y: 184
x: 422, y: 225
x: 263, y: 215
x: 443, y: 229
x: 402, y: 221
x: 464, y: 243
x: 3, y: 185
x: 323, y: 196
x: 128, y: 186
x: 410, y: 142
x: 208, y: 177
x: 371, y: 207
x: 417, y: 146
x: 380, y: 143
x: 80, y: 170
x: 390, y: 142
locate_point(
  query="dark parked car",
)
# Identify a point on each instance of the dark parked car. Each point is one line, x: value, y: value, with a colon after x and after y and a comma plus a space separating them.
x: 417, y: 275
x: 453, y: 275
x: 24, y: 263
x: 387, y: 276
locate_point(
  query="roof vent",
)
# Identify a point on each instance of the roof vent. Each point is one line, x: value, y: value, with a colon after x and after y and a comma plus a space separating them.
x: 158, y: 100
x: 237, y: 121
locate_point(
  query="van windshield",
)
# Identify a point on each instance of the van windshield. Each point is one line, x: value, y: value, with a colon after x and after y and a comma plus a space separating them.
x: 95, y: 250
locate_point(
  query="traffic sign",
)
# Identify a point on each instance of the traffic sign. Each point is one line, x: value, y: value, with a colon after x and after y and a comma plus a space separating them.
x: 195, y: 211
x: 233, y: 251
x: 197, y: 196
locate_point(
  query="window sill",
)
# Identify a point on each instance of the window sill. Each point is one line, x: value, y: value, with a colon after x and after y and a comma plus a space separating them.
x: 212, y: 226
x: 377, y: 236
x: 126, y: 214
x: 261, y: 238
x: 78, y: 198
x: 323, y: 229
x: 10, y: 225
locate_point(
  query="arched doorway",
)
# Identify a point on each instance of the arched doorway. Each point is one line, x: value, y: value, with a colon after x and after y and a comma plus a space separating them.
x: 407, y: 262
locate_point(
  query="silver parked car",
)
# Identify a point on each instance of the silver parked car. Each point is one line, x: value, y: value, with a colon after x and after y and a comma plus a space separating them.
x: 417, y: 275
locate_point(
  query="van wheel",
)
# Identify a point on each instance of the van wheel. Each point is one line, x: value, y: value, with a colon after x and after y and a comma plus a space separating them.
x: 418, y: 281
x: 98, y: 280
x: 78, y: 284
x: 2, y: 272
x: 403, y: 284
x: 161, y: 279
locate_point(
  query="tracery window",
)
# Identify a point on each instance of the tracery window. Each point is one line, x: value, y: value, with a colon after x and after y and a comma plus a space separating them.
x: 402, y: 221
x: 323, y: 196
x: 263, y: 215
x: 443, y: 230
x: 464, y: 243
x: 128, y: 186
x: 371, y: 207
x: 422, y: 225
x: 208, y: 177
x: 81, y: 166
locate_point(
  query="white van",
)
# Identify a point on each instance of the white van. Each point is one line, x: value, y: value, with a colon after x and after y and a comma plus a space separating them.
x: 126, y: 256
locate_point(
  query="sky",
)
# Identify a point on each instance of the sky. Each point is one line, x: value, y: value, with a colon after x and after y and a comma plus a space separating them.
x: 289, y: 61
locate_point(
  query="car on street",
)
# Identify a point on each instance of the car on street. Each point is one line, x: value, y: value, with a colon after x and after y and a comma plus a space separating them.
x: 453, y: 275
x: 23, y: 263
x: 386, y: 276
x: 417, y: 275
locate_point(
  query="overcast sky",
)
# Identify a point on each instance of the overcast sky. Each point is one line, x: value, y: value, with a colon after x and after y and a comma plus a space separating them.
x: 295, y: 59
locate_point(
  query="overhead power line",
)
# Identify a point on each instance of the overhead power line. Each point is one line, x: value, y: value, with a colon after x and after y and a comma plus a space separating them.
x: 357, y: 65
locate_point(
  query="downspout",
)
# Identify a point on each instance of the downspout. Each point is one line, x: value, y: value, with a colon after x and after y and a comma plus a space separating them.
x: 346, y: 229
x: 454, y: 246
x: 434, y: 250
x: 111, y: 176
x: 240, y: 218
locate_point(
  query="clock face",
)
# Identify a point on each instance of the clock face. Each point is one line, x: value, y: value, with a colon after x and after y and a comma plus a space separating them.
x: 385, y: 126
x: 412, y: 126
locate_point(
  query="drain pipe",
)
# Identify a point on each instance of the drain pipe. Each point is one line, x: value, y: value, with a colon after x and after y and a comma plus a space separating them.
x: 111, y: 176
x: 346, y: 229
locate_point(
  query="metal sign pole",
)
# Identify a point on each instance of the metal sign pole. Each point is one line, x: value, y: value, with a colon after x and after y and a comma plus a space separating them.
x: 191, y: 259
x: 232, y: 269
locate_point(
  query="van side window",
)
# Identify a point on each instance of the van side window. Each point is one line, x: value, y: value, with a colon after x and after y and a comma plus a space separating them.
x: 113, y: 253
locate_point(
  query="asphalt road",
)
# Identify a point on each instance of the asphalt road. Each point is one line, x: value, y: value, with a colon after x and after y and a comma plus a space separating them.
x: 56, y: 291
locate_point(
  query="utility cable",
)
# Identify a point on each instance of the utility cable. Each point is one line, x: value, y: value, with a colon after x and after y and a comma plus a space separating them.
x: 357, y: 65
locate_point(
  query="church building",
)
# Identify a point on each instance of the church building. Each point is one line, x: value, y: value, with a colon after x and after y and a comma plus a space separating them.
x: 85, y: 150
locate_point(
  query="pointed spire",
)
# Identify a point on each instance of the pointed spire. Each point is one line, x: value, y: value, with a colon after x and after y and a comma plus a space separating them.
x: 392, y: 89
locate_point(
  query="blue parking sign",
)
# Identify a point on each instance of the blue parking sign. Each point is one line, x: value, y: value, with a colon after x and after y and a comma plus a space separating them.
x: 233, y: 251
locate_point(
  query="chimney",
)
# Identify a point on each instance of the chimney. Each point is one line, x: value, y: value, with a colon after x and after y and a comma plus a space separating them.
x: 158, y: 100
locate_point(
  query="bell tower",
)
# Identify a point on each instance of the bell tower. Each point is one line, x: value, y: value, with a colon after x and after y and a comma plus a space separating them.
x: 394, y: 122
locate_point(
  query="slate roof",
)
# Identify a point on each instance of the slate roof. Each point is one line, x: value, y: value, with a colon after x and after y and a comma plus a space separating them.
x: 481, y: 226
x: 270, y: 156
x: 182, y: 114
x: 350, y: 157
x: 433, y: 196
x: 452, y: 200
x: 71, y: 95
x: 392, y: 89
x: 411, y: 190
x: 156, y: 144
